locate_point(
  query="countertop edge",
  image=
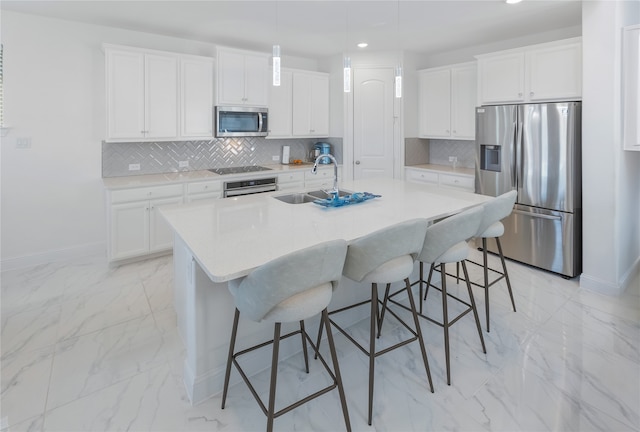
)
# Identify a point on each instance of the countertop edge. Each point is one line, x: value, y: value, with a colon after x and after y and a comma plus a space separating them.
x: 147, y: 180
x: 446, y: 169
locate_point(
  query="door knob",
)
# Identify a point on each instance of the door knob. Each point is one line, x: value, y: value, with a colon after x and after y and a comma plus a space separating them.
x: 357, y: 162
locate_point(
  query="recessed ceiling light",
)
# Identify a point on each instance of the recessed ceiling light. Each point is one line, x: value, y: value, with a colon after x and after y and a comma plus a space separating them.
x: 512, y: 1
x: 363, y: 45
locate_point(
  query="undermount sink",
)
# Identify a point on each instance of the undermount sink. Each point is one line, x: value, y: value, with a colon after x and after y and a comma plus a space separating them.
x: 296, y: 198
x: 320, y: 194
x: 306, y: 197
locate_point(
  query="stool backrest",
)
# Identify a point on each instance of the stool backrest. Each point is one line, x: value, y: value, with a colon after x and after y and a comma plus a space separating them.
x: 294, y: 273
x: 497, y: 209
x: 442, y: 235
x: 371, y: 251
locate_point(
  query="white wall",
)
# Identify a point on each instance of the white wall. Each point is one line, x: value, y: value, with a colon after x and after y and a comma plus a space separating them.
x: 611, y: 176
x: 52, y: 193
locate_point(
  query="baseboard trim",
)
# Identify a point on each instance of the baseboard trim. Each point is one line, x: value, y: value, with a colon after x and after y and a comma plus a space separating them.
x: 58, y: 255
x: 601, y: 286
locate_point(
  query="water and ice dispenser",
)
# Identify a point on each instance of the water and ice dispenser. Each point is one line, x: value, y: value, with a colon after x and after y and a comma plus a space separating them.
x: 490, y: 156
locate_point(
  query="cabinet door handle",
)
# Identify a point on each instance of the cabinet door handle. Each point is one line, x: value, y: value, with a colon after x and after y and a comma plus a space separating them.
x: 531, y: 94
x: 357, y: 162
x: 519, y: 94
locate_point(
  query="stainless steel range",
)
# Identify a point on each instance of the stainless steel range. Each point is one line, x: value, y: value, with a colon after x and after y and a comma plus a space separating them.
x: 246, y: 186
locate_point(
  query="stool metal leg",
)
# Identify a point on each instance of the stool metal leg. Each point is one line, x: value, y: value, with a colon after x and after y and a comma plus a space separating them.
x: 336, y: 369
x: 473, y: 306
x: 274, y: 376
x: 384, y: 308
x: 485, y: 263
x: 506, y: 274
x: 426, y: 290
x: 416, y: 321
x: 445, y: 320
x: 232, y: 345
x: 372, y: 346
x: 304, y: 346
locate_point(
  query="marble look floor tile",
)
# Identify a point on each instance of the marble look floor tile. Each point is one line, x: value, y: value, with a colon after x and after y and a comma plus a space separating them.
x: 517, y: 399
x: 30, y: 329
x: 34, y: 424
x: 104, y: 309
x: 91, y: 362
x: 25, y: 383
x: 567, y: 360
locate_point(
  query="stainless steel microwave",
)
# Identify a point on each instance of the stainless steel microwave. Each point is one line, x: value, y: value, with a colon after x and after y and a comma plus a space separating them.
x: 233, y: 121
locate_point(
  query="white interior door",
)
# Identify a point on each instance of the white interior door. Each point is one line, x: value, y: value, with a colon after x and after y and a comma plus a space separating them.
x: 373, y: 123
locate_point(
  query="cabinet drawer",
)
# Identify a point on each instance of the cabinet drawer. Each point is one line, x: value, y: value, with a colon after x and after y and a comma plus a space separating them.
x: 462, y: 182
x: 422, y: 176
x: 291, y: 177
x: 139, y: 194
x: 323, y: 172
x: 202, y: 187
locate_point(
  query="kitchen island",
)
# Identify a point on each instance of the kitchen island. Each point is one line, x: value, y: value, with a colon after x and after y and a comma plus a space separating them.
x: 217, y: 242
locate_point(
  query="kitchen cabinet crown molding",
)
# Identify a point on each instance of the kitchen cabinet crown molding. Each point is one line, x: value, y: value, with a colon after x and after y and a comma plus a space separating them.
x: 526, y: 48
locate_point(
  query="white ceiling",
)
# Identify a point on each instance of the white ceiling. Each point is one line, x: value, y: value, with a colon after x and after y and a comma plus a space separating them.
x: 313, y: 28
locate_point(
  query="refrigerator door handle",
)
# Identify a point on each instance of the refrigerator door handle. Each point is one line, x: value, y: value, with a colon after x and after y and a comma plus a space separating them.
x: 537, y: 215
x: 515, y: 160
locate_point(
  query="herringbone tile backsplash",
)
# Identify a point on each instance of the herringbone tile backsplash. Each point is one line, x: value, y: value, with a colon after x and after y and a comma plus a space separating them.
x: 163, y: 157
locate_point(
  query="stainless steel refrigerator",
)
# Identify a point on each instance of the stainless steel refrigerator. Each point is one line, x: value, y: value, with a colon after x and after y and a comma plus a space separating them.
x: 535, y: 149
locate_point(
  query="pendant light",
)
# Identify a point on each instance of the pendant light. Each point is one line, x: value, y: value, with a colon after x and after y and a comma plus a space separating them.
x: 276, y: 65
x: 347, y: 59
x: 398, y: 71
x: 276, y: 56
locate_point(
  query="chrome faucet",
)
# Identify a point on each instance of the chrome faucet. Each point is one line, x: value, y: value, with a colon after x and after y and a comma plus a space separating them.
x: 314, y: 170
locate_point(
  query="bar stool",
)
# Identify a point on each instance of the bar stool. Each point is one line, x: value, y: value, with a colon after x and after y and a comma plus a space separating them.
x: 384, y: 257
x: 491, y: 227
x: 291, y: 288
x: 446, y: 242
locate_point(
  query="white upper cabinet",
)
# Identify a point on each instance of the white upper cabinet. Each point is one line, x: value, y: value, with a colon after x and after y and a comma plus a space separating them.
x: 447, y: 102
x: 555, y: 72
x: 310, y: 104
x: 142, y: 95
x: 501, y: 78
x: 196, y: 97
x: 299, y: 107
x: 242, y: 77
x: 153, y: 95
x: 538, y: 73
x: 280, y: 100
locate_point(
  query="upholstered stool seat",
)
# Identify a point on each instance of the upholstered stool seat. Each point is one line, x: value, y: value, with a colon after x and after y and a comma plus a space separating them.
x: 291, y: 288
x: 384, y: 257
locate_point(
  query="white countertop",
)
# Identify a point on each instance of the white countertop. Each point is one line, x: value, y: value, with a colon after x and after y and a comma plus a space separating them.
x: 445, y: 169
x: 229, y: 237
x: 125, y: 182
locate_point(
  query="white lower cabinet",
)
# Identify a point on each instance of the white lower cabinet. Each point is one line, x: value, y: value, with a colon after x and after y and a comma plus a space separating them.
x: 204, y: 190
x: 441, y: 179
x: 291, y: 181
x: 135, y: 226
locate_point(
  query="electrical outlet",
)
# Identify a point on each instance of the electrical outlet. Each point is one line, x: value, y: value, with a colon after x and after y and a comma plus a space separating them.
x: 453, y: 159
x: 275, y: 158
x: 134, y: 167
x: 183, y: 164
x: 23, y: 143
